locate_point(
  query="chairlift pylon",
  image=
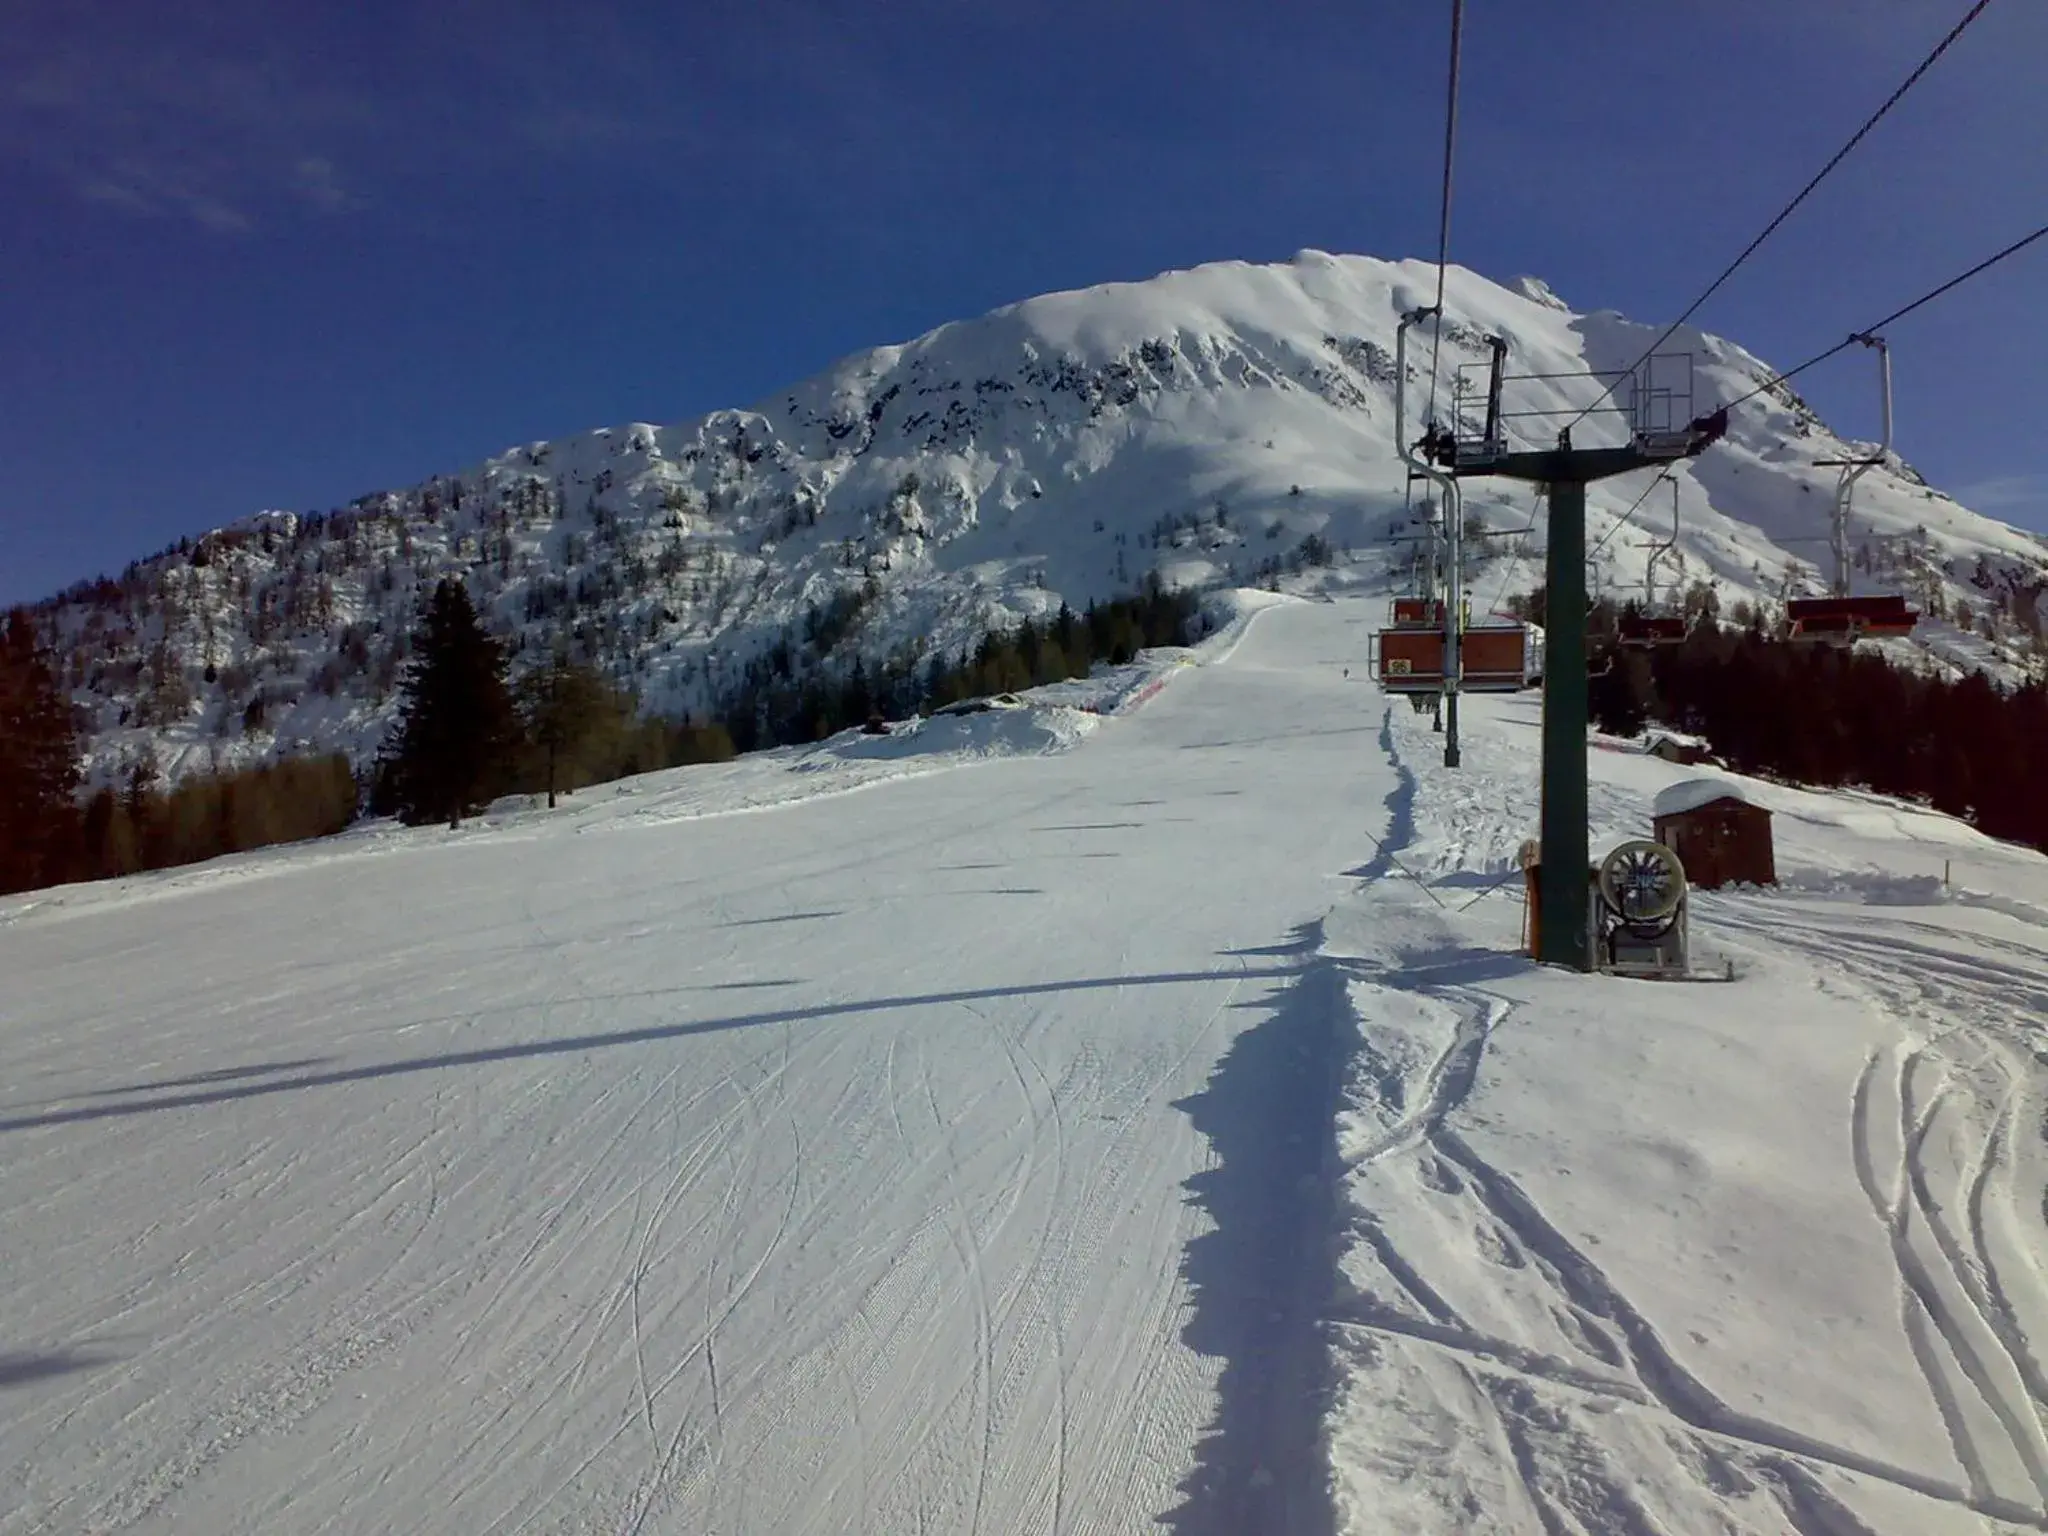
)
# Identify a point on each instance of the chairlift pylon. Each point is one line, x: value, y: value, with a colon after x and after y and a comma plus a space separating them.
x: 1658, y: 432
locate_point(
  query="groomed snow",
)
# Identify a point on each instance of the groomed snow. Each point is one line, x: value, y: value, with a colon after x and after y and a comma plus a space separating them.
x: 846, y: 1165
x: 1125, y: 1112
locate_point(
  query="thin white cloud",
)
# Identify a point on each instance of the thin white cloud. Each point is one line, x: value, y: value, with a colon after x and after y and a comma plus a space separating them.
x: 150, y: 189
x: 216, y: 215
x: 318, y: 185
x: 158, y: 128
x: 114, y: 194
x: 244, y: 119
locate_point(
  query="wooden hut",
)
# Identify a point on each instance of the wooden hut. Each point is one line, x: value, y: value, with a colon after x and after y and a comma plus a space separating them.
x: 1718, y: 833
x: 1687, y: 751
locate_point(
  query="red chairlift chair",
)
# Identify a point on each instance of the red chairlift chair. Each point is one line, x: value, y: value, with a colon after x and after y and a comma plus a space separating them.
x: 1640, y: 631
x: 1845, y: 620
x: 1409, y: 653
x: 1418, y: 613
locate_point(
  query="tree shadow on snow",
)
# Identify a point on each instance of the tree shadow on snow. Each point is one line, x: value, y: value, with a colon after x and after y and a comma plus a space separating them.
x: 1467, y: 966
x: 219, y: 1075
x: 571, y: 1045
x: 1090, y: 826
x: 1473, y: 879
x: 22, y: 1369
x: 1292, y: 949
x: 1259, y: 1278
x: 194, y: 1080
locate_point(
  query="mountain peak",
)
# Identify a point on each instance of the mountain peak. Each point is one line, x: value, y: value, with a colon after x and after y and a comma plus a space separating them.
x: 1226, y: 424
x: 1538, y: 291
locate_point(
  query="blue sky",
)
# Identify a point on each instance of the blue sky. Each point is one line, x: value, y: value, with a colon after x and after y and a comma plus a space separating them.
x: 258, y: 255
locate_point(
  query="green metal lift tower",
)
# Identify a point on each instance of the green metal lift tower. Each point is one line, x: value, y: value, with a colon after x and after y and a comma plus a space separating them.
x: 1564, y: 936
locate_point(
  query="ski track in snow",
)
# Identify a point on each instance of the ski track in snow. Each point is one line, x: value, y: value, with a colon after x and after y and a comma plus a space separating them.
x: 1964, y: 1069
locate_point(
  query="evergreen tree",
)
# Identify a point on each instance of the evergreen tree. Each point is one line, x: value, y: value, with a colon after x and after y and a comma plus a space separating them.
x: 576, y: 721
x: 450, y: 750
x: 109, y: 837
x: 1622, y: 698
x: 39, y: 754
x: 1821, y: 717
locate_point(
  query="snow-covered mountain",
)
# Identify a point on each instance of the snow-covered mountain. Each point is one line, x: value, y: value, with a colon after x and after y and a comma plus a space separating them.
x: 1229, y: 424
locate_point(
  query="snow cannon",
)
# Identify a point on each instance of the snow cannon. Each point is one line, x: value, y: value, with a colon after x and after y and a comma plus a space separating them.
x: 1638, y: 922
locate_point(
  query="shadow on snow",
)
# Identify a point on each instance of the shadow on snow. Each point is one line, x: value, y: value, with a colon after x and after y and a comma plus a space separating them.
x: 569, y: 1045
x: 1259, y: 1277
x: 20, y: 1369
x: 1400, y: 808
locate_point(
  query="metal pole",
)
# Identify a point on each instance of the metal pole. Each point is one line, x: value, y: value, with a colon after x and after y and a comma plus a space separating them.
x: 1564, y: 939
x: 1416, y: 466
x: 1454, y: 620
x: 1846, y: 487
x: 1884, y: 364
x: 1450, y: 506
x: 1432, y: 561
x: 1659, y: 551
x: 1841, y: 585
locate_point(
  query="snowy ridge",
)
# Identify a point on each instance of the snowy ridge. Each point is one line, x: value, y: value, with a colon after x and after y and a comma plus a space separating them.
x: 1229, y: 425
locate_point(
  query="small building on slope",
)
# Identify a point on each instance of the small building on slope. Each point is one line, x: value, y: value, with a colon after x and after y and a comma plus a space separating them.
x: 1677, y: 747
x: 1718, y: 833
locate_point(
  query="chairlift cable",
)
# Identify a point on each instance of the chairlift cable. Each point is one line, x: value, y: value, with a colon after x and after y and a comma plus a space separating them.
x: 1516, y: 558
x: 1443, y: 228
x: 1634, y: 507
x: 1784, y: 213
x: 1898, y: 314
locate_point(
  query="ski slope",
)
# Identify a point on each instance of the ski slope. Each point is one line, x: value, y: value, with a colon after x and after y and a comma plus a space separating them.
x: 826, y: 1168
x: 1040, y: 1121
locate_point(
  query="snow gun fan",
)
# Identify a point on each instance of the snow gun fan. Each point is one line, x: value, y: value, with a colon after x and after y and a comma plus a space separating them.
x: 1638, y: 919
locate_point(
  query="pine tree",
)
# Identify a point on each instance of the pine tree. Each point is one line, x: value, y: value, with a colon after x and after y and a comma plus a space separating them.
x: 574, y: 719
x: 1622, y: 699
x: 39, y: 753
x: 450, y: 750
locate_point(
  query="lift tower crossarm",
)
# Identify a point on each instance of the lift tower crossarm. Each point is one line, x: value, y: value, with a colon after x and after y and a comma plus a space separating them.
x: 1550, y: 466
x: 1564, y: 934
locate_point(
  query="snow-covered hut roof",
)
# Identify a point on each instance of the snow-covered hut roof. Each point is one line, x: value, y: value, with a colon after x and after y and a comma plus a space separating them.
x: 1691, y: 794
x: 1680, y: 738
